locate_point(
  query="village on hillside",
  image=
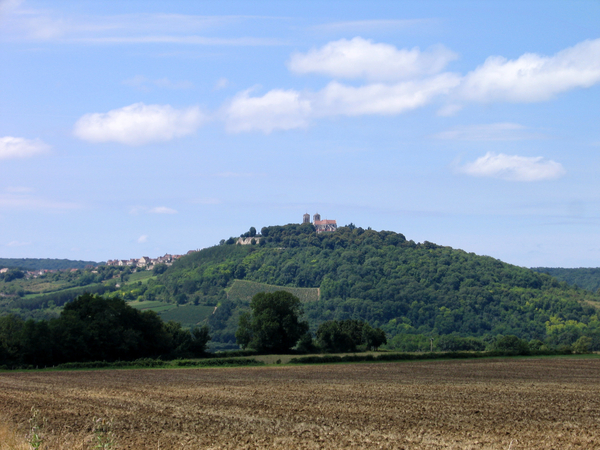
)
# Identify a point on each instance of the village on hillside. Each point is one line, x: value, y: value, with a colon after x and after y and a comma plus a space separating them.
x: 135, y: 263
x: 146, y: 262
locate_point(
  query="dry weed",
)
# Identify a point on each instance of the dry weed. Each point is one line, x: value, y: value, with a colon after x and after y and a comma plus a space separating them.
x: 10, y: 439
x: 461, y: 405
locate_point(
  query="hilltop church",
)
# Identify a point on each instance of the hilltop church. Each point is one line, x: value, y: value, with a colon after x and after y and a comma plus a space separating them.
x: 320, y: 225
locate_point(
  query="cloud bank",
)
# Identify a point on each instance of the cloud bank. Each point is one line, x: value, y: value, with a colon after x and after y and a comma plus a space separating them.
x: 361, y: 58
x: 394, y: 81
x: 534, y: 78
x: 400, y: 80
x: 139, y: 124
x: 15, y: 147
x: 277, y: 109
x: 513, y: 168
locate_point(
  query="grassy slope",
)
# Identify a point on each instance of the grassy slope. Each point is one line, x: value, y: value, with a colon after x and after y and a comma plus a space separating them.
x: 244, y: 290
x: 188, y: 315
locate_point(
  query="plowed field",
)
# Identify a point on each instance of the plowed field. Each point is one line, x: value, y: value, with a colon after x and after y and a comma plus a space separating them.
x: 492, y: 404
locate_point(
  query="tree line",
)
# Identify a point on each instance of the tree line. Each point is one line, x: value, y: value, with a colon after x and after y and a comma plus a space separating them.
x: 93, y: 328
x: 44, y: 263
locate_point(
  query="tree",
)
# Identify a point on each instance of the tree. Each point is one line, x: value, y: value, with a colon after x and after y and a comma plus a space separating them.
x: 306, y: 344
x: 273, y: 324
x: 373, y: 338
x: 582, y: 345
x: 243, y: 335
x: 341, y: 336
x: 333, y: 339
x: 159, y: 268
x: 512, y: 343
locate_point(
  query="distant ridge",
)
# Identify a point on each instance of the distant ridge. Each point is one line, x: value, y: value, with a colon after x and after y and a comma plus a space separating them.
x: 584, y: 277
x: 45, y: 263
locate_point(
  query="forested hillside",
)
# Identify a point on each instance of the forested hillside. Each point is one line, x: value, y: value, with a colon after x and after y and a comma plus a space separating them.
x: 585, y: 278
x: 44, y: 263
x: 413, y: 291
x: 380, y: 277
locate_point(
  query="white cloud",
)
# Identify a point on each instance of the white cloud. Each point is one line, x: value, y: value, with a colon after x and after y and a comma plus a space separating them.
x: 532, y: 77
x: 361, y: 58
x: 143, y: 239
x: 144, y: 84
x: 514, y: 168
x: 489, y: 132
x: 339, y: 99
x: 285, y: 110
x: 15, y: 147
x: 162, y: 210
x: 277, y: 109
x: 139, y: 124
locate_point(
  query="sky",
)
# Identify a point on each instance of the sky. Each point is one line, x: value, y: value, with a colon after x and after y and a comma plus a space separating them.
x: 139, y: 128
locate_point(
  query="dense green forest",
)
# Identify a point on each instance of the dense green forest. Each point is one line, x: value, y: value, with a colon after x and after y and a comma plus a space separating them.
x: 44, y: 263
x: 407, y: 289
x: 412, y: 291
x: 585, y: 278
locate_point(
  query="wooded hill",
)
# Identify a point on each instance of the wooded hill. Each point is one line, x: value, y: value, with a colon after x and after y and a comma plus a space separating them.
x: 584, y: 277
x: 44, y: 263
x: 413, y: 291
x: 380, y: 277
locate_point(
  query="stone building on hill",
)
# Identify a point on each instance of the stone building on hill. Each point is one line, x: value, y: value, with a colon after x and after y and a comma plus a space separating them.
x: 321, y: 226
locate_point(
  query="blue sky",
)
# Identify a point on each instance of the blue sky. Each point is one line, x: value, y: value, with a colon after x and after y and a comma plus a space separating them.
x: 140, y: 128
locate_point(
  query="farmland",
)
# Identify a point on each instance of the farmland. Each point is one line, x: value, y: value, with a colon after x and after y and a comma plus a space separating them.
x: 533, y: 403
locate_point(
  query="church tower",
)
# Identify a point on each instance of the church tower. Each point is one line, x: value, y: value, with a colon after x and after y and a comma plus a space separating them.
x: 316, y: 217
x: 306, y: 218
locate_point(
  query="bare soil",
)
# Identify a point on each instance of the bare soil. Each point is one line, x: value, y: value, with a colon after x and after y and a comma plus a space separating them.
x: 545, y: 403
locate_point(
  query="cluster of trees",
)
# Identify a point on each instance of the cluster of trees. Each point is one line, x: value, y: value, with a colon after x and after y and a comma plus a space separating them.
x: 562, y: 337
x: 340, y: 336
x: 273, y: 325
x: 11, y: 274
x: 93, y: 328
